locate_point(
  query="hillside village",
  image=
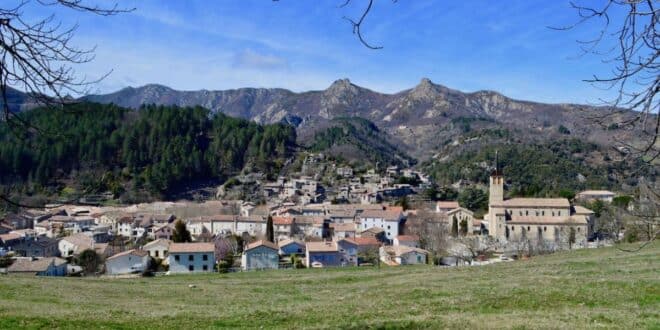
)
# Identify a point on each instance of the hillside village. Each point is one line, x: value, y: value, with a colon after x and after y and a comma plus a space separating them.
x: 374, y: 219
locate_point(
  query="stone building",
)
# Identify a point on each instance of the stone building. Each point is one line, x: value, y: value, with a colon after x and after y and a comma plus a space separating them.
x: 552, y: 220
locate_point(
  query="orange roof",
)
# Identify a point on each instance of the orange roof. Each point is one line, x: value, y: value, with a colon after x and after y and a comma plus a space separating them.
x: 394, y: 208
x: 282, y: 220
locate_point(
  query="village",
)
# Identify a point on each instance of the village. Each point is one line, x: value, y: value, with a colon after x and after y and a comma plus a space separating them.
x: 366, y: 220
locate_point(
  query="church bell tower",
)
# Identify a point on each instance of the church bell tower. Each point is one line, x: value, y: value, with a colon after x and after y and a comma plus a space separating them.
x: 496, y: 217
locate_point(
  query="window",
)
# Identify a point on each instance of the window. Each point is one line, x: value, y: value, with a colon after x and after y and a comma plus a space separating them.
x: 205, y: 267
x: 527, y: 228
x: 513, y: 228
x: 543, y: 213
x: 191, y: 257
x: 553, y: 213
x: 520, y: 213
x: 545, y: 228
x: 526, y: 212
x: 205, y: 257
x: 578, y: 228
x: 176, y: 258
x: 388, y: 227
x: 191, y: 268
x: 156, y: 253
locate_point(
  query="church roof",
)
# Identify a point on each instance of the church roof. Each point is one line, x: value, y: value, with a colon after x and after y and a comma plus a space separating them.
x: 535, y: 202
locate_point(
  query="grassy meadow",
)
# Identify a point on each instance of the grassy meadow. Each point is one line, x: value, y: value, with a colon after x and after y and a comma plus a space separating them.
x: 603, y: 288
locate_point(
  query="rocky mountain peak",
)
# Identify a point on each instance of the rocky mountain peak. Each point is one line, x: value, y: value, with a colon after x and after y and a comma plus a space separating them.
x: 425, y: 90
x: 342, y: 87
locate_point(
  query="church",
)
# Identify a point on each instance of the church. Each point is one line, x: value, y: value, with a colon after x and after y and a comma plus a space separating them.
x: 552, y: 220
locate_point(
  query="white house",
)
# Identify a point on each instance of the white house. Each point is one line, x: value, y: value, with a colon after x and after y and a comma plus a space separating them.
x: 390, y: 221
x: 591, y: 195
x: 75, y: 244
x: 191, y: 257
x: 407, y: 240
x: 127, y: 262
x: 402, y: 255
x: 157, y: 248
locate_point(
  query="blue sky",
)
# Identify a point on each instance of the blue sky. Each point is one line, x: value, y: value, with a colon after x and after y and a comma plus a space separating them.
x: 305, y: 45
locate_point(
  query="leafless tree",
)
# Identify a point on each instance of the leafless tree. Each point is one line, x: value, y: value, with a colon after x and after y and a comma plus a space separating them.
x: 431, y: 228
x: 631, y: 46
x: 644, y: 217
x: 39, y: 56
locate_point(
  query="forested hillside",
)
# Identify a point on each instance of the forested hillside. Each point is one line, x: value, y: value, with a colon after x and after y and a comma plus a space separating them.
x: 539, y: 169
x: 94, y: 148
x: 358, y: 139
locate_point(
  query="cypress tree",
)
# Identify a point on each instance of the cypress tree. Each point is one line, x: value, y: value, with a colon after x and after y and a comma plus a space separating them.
x: 270, y: 235
x: 454, y: 227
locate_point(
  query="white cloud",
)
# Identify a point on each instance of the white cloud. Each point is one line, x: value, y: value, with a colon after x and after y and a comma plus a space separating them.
x: 253, y: 60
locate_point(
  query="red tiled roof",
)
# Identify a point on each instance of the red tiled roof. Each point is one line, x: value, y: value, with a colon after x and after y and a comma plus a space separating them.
x: 282, y: 220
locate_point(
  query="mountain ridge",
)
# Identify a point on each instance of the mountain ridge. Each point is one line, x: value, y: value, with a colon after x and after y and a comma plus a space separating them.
x: 420, y: 120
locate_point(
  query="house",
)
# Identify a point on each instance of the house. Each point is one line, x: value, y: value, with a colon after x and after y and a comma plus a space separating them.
x: 348, y: 250
x: 5, y: 228
x: 127, y: 262
x: 283, y: 227
x: 158, y: 248
x: 164, y: 231
x: 407, y: 240
x: 77, y: 243
x: 222, y: 223
x: 374, y: 232
x: 331, y: 253
x: 290, y: 246
x: 462, y: 215
x: 17, y: 221
x: 191, y: 257
x: 51, y: 266
x: 38, y: 247
x: 402, y: 255
x: 446, y: 206
x: 8, y: 241
x: 365, y: 244
x: 343, y: 230
x: 322, y: 253
x: 260, y: 255
x: 592, y: 195
x: 311, y: 226
x: 345, y: 172
x: 391, y: 221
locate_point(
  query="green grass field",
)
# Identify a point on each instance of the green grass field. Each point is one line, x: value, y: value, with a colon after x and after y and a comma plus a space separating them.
x: 603, y: 288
